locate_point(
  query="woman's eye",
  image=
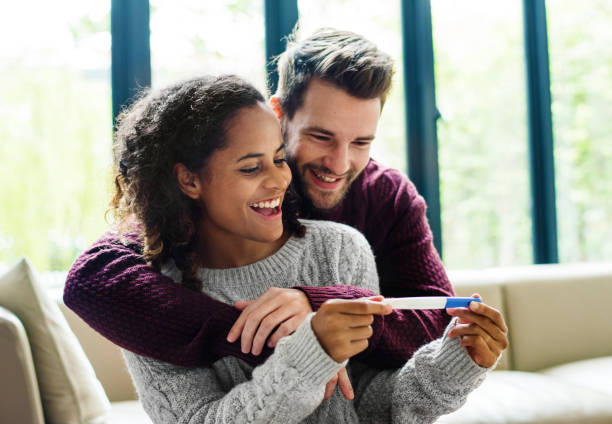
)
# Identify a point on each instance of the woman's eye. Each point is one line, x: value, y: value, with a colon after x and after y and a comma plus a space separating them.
x: 249, y: 170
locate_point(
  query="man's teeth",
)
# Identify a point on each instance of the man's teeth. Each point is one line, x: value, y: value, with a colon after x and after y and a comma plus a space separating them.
x: 267, y: 204
x: 324, y: 178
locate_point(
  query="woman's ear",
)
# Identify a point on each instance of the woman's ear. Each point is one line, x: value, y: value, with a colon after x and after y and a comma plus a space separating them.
x: 276, y: 107
x: 187, y: 181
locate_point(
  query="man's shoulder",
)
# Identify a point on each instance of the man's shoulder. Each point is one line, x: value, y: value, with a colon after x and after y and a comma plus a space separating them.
x: 382, y: 182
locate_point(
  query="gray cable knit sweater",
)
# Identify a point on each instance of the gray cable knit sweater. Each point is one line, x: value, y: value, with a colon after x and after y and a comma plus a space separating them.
x: 289, y: 386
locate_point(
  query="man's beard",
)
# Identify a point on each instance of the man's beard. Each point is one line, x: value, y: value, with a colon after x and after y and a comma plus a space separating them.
x: 312, y: 204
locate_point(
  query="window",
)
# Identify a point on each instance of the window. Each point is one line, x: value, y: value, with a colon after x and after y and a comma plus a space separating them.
x: 55, y: 127
x: 191, y: 38
x: 581, y: 88
x: 482, y: 135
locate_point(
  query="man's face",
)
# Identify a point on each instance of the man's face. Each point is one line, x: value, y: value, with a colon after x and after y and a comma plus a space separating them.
x: 329, y: 140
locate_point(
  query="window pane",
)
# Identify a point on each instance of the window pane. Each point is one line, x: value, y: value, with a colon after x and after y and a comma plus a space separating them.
x: 192, y: 38
x: 380, y: 23
x: 482, y: 136
x: 55, y: 127
x: 580, y: 40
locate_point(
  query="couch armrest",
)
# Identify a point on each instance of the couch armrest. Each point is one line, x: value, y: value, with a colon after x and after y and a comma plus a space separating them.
x: 19, y: 395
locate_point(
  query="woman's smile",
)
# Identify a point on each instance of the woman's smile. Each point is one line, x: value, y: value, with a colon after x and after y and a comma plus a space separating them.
x: 268, y: 209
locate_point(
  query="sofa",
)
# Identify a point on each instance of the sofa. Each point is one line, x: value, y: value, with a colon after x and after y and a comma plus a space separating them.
x: 558, y: 368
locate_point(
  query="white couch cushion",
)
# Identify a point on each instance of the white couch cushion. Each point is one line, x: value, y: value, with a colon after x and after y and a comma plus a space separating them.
x: 559, y: 314
x: 592, y: 373
x: 70, y: 391
x: 128, y: 412
x: 521, y: 397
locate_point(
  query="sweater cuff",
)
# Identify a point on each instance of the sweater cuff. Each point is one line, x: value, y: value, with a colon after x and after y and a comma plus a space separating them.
x: 303, y: 351
x: 453, y: 360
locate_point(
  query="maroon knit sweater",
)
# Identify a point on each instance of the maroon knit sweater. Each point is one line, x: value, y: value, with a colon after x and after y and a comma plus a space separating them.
x: 112, y: 289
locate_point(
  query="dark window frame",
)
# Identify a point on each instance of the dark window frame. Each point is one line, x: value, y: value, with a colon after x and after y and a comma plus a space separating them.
x: 131, y: 71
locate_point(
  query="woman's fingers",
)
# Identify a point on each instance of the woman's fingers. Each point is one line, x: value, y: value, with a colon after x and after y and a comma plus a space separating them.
x: 345, y: 384
x: 330, y: 386
x: 480, y: 351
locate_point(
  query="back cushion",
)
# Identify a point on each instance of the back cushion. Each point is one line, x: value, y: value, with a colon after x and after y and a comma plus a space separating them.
x: 559, y: 314
x: 69, y: 389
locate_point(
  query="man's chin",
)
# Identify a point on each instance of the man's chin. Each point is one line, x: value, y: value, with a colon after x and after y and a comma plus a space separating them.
x: 325, y: 200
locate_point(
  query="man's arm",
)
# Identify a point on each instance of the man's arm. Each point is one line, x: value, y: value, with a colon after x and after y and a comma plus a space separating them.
x: 114, y: 291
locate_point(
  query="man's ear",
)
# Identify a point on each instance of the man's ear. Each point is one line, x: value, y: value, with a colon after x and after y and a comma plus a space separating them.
x: 276, y: 107
x: 188, y: 182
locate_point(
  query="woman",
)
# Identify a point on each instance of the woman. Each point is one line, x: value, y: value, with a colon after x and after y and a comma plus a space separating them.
x: 201, y: 171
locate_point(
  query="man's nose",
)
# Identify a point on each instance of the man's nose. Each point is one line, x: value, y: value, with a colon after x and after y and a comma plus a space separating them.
x: 337, y: 159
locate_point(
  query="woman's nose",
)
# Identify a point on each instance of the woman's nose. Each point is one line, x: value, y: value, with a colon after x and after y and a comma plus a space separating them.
x: 279, y: 178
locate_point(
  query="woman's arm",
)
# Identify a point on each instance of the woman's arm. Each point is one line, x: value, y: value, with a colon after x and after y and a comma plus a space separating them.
x: 286, y: 388
x: 434, y: 382
x: 437, y: 380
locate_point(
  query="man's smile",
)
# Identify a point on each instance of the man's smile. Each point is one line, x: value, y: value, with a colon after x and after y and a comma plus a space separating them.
x: 325, y: 182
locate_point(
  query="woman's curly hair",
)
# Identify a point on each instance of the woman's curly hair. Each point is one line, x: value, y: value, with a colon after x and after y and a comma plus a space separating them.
x: 183, y: 123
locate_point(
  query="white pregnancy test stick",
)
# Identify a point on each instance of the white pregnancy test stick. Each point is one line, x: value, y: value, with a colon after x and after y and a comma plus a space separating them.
x: 434, y: 302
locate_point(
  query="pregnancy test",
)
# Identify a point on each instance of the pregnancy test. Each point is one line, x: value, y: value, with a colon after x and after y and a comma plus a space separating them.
x: 434, y: 302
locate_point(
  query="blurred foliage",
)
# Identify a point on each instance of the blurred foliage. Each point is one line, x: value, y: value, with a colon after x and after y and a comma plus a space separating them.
x: 482, y: 136
x: 56, y: 140
x: 581, y: 85
x: 56, y: 121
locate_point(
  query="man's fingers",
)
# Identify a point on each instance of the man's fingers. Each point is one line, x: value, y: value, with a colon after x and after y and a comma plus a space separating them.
x: 253, y: 321
x: 267, y: 325
x: 285, y: 329
x: 345, y: 384
x: 242, y: 304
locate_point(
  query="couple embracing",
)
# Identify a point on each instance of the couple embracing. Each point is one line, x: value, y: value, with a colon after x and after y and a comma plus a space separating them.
x: 254, y: 242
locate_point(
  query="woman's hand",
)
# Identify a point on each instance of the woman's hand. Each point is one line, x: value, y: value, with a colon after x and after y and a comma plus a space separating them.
x: 282, y: 308
x: 483, y: 332
x: 343, y: 327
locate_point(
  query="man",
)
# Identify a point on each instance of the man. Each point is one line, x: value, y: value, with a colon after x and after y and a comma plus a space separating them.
x: 332, y: 89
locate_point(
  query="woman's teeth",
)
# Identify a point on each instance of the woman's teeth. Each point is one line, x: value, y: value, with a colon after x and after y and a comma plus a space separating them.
x: 324, y: 178
x: 267, y: 204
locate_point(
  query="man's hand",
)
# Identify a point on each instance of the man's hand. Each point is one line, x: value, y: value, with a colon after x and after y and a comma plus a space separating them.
x: 483, y: 332
x: 282, y: 308
x: 343, y: 327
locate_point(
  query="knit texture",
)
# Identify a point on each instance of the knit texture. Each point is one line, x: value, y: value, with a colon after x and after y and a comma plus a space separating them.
x: 288, y: 387
x: 112, y: 289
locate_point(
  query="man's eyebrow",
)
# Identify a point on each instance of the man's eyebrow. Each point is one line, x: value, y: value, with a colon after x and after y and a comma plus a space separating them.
x: 315, y: 128
x: 258, y: 155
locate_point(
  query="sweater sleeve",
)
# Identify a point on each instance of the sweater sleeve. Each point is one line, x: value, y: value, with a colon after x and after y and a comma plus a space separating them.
x: 113, y: 290
x: 286, y: 388
x: 395, y: 336
x: 434, y: 382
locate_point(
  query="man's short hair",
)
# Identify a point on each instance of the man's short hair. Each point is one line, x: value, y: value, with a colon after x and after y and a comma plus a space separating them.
x: 343, y: 58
